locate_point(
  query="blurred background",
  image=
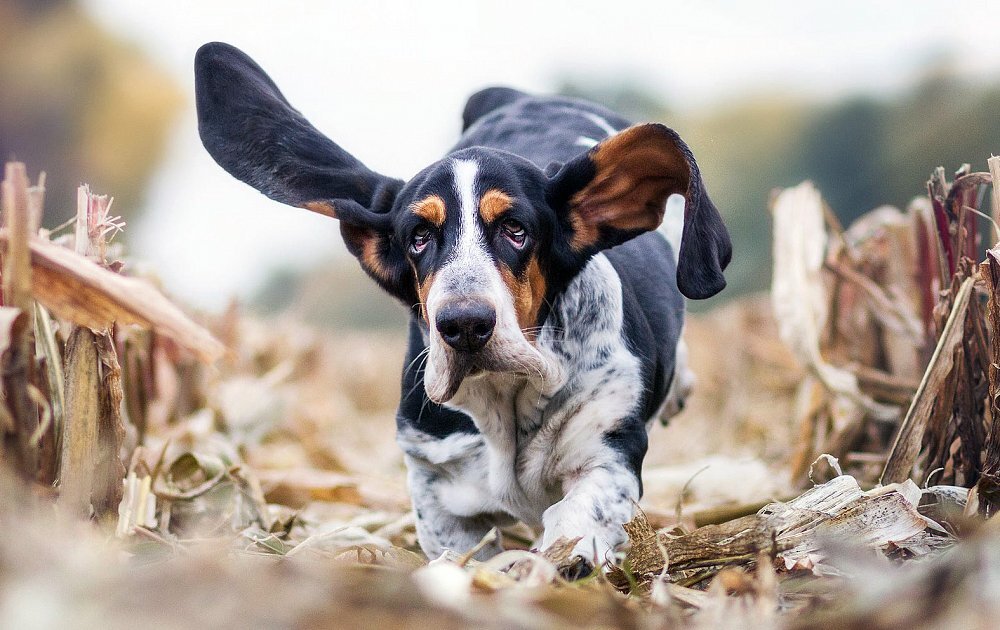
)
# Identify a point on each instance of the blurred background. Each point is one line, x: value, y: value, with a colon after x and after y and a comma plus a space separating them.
x: 101, y: 91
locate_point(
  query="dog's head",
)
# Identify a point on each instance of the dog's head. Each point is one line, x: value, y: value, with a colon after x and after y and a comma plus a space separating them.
x: 479, y: 241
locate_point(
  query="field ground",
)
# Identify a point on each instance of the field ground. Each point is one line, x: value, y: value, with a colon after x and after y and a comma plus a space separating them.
x: 158, y: 476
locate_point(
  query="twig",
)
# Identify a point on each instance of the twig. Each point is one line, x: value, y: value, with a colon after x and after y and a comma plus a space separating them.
x: 679, y: 507
x: 726, y: 513
x: 490, y: 537
x: 700, y: 576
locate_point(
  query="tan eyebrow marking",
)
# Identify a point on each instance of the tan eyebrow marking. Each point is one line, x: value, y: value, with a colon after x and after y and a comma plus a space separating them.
x: 430, y: 209
x: 492, y: 204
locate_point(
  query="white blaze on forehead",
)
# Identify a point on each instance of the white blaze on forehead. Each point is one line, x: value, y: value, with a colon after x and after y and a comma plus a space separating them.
x: 469, y: 269
x: 465, y: 274
x: 469, y: 238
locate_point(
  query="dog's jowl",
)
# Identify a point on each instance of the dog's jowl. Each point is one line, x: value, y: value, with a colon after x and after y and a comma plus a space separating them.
x: 546, y: 308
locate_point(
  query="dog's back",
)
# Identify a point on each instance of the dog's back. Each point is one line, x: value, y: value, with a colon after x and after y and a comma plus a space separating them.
x: 547, y: 130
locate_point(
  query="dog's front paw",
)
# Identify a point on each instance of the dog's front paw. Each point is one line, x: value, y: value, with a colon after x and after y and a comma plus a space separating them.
x: 576, y: 568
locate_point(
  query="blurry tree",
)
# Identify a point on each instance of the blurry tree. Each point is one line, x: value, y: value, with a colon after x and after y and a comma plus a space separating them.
x: 844, y: 149
x: 79, y: 104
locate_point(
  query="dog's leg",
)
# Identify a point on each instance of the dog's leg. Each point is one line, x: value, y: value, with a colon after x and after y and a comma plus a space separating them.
x: 680, y: 388
x: 598, y: 501
x: 439, y: 529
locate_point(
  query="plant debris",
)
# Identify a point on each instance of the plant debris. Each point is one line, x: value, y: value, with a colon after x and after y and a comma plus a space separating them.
x: 143, y: 488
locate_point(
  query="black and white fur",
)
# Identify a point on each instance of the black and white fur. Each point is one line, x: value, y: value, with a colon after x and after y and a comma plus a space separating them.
x: 547, y: 309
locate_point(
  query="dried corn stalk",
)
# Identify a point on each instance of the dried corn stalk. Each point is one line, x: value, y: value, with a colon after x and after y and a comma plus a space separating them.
x: 894, y: 315
x: 909, y: 439
x: 944, y: 431
x: 92, y: 465
x: 18, y: 368
x: 64, y: 422
x: 834, y: 418
x: 81, y: 291
x: 988, y: 488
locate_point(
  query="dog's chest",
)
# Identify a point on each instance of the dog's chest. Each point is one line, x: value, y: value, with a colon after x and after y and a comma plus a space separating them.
x: 535, y: 440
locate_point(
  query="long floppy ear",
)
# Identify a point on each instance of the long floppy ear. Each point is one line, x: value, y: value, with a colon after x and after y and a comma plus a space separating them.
x: 249, y: 128
x: 618, y: 190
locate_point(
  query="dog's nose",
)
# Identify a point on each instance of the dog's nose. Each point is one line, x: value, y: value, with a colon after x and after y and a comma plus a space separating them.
x: 466, y: 326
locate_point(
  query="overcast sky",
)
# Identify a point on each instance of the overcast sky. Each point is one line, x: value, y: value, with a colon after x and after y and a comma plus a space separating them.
x: 387, y: 81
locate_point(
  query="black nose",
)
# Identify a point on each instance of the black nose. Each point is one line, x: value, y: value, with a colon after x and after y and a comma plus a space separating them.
x: 466, y: 326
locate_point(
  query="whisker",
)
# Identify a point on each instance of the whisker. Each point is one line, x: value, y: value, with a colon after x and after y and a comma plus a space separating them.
x: 528, y: 368
x: 413, y: 389
x: 420, y: 369
x: 426, y: 399
x: 544, y: 327
x: 417, y: 358
x: 422, y: 407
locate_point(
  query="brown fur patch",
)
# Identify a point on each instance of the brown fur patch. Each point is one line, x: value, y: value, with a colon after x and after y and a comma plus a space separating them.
x: 368, y: 242
x: 584, y: 234
x: 431, y: 209
x: 528, y: 293
x: 492, y: 204
x: 636, y: 170
x: 371, y: 259
x: 321, y: 207
x: 423, y: 290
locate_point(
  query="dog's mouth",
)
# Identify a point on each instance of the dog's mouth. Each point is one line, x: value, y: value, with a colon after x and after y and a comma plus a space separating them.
x: 448, y: 370
x: 459, y: 368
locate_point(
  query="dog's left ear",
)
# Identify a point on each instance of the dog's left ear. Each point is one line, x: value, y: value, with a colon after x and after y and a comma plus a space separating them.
x: 618, y: 190
x: 252, y: 131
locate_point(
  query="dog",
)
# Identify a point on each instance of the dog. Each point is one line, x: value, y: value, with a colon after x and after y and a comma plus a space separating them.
x: 546, y: 307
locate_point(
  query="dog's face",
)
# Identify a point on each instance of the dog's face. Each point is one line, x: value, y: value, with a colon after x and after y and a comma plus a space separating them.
x: 479, y: 237
x: 479, y: 242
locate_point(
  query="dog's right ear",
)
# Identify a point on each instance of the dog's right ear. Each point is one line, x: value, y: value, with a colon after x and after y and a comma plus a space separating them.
x: 618, y: 189
x: 249, y: 128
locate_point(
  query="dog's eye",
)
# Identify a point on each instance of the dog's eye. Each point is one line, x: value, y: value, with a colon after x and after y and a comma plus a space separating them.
x: 513, y: 232
x: 421, y: 236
